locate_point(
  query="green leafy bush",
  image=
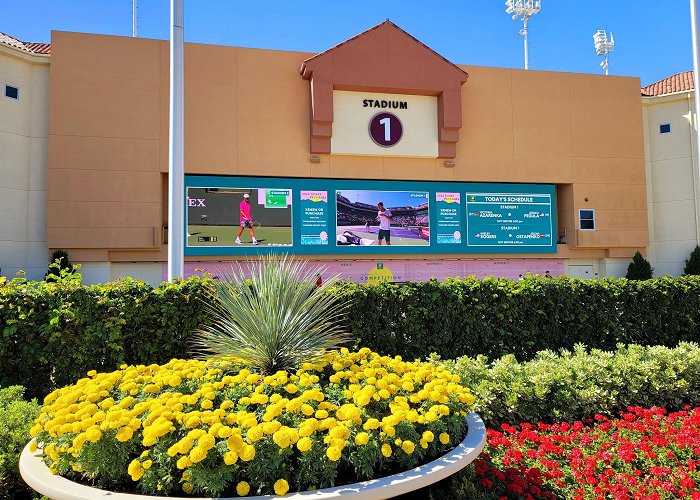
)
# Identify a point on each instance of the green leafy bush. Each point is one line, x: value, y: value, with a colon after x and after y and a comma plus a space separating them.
x: 16, y: 417
x: 692, y: 263
x: 578, y: 384
x: 498, y: 316
x: 639, y: 268
x: 52, y: 333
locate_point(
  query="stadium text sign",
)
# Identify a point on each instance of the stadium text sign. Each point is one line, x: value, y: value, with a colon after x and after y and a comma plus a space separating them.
x: 369, y: 123
x: 247, y: 215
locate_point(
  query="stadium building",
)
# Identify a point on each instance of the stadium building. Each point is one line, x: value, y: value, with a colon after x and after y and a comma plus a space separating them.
x: 482, y: 170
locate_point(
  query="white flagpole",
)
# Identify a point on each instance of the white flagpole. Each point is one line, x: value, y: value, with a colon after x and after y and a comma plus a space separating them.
x: 176, y: 171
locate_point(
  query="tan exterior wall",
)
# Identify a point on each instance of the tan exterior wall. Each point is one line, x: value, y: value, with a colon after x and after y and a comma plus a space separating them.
x: 672, y: 176
x: 247, y: 112
x: 23, y: 160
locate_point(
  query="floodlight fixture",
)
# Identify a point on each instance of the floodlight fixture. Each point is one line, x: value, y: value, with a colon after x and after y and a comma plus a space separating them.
x: 523, y: 10
x: 603, y: 47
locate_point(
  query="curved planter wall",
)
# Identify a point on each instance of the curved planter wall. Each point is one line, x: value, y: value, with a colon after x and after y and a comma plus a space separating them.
x: 37, y: 475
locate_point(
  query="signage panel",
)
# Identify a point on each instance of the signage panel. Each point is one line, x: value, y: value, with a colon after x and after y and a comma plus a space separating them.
x: 369, y: 123
x: 518, y: 220
x: 238, y: 216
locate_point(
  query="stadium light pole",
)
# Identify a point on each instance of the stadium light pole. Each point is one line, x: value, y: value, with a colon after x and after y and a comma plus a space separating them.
x: 176, y: 171
x: 523, y: 9
x: 134, y: 11
x: 603, y: 47
x: 696, y: 86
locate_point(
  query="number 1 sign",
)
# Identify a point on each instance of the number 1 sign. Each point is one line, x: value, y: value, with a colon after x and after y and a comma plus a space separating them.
x: 385, y: 129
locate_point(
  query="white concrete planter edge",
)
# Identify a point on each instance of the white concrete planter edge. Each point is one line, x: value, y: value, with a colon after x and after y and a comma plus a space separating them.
x: 37, y: 475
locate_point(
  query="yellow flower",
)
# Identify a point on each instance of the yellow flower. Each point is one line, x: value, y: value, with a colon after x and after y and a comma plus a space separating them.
x: 242, y: 488
x: 304, y: 444
x: 247, y: 453
x: 281, y: 487
x: 183, y: 462
x: 428, y: 437
x: 135, y: 470
x: 198, y: 454
x: 362, y: 438
x: 386, y: 450
x: 254, y: 434
x: 408, y: 447
x: 230, y: 457
x: 124, y: 434
x: 33, y: 446
x: 147, y: 464
x: 93, y: 434
x: 444, y: 438
x: 187, y: 488
x: 333, y: 453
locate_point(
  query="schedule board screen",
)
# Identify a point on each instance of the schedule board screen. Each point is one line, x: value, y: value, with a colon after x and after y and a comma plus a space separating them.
x: 509, y: 220
x: 229, y: 216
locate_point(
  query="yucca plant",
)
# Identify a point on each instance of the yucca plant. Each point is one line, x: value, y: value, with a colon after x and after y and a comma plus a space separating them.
x: 274, y: 319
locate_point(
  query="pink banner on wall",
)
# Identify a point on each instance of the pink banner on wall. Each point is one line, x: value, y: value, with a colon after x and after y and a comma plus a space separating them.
x: 374, y: 271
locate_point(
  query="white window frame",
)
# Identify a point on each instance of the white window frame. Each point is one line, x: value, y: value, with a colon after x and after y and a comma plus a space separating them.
x: 592, y: 210
x: 4, y: 92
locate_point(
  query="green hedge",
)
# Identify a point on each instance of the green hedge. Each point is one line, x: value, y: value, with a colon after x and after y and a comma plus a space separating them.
x: 495, y: 317
x: 51, y: 334
x: 16, y: 417
x: 577, y: 384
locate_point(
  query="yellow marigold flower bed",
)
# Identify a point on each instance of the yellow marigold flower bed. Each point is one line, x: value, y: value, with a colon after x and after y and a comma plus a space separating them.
x: 213, y: 428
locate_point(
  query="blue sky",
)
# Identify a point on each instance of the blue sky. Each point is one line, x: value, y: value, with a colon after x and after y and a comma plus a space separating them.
x: 652, y: 37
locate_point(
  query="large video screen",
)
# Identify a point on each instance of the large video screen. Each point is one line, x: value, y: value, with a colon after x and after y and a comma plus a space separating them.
x: 239, y: 216
x: 366, y: 218
x: 232, y: 216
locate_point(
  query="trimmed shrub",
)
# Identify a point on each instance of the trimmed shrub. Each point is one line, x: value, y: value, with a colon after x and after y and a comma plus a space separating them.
x: 498, y: 316
x: 575, y: 385
x: 16, y: 418
x: 692, y: 263
x: 639, y: 268
x: 52, y: 333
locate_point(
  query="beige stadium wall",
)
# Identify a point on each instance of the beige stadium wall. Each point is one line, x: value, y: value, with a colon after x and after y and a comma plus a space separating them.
x: 23, y: 163
x: 247, y: 112
x: 672, y: 179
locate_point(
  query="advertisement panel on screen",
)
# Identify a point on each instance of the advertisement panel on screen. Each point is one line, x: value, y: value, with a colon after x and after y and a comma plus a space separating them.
x: 229, y: 216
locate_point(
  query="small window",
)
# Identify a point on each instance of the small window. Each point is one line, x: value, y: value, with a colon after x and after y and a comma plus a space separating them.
x: 665, y: 128
x: 586, y: 219
x: 11, y: 92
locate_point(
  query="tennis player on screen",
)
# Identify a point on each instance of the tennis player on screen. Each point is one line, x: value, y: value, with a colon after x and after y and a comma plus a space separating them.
x: 384, y: 217
x: 246, y: 219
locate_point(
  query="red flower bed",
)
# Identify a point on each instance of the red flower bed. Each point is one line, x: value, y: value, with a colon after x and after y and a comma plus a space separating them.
x: 646, y: 453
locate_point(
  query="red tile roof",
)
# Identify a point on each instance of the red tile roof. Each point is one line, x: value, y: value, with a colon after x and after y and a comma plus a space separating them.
x: 32, y: 47
x: 681, y: 82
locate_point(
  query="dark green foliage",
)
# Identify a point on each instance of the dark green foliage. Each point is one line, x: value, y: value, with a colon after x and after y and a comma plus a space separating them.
x: 639, y: 268
x: 575, y: 385
x: 59, y: 266
x: 497, y: 316
x: 16, y: 417
x: 51, y: 334
x: 692, y: 263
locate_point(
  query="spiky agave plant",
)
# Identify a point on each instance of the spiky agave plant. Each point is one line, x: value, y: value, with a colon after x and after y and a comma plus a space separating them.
x: 275, y: 319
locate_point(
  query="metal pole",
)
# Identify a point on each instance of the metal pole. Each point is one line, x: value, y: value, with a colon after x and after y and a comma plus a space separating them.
x: 134, y: 18
x: 606, y: 62
x: 696, y: 81
x: 525, y: 41
x: 176, y: 172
